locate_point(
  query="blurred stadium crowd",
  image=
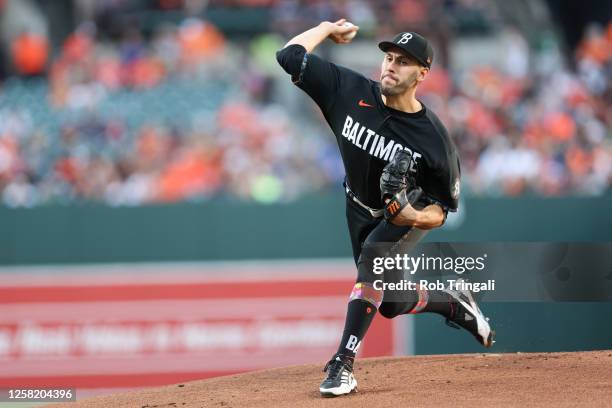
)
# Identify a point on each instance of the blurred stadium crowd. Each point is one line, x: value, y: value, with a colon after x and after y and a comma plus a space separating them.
x: 185, y: 112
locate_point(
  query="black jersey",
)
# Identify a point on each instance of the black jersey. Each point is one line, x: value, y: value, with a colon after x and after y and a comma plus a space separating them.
x: 369, y: 133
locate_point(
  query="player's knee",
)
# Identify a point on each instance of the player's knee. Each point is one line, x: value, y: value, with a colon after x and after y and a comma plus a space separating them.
x: 390, y: 310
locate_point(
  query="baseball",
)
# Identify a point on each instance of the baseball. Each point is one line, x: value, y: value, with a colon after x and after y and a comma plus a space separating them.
x: 350, y: 35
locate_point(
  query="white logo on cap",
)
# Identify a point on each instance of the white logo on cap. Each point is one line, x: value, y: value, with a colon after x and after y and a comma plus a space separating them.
x: 405, y: 38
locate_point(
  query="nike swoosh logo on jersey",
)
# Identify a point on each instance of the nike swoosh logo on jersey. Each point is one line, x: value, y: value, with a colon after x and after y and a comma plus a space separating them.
x: 364, y: 104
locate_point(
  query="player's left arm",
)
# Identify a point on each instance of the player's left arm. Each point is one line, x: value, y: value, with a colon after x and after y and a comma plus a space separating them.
x: 442, y: 193
x: 400, y: 192
x: 430, y: 217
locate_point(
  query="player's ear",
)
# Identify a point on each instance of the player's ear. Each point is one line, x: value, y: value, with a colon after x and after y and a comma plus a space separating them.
x: 423, y: 71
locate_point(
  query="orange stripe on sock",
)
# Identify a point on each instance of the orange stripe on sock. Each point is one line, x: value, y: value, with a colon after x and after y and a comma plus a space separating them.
x: 422, y: 302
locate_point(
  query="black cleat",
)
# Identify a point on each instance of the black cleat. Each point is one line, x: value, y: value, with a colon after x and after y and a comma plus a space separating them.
x: 467, y: 314
x: 340, y: 379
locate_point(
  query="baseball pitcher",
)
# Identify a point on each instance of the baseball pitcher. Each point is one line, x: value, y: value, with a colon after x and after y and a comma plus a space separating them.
x: 402, y: 178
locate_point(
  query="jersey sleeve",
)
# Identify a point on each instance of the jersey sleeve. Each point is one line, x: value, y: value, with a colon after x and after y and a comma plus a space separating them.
x: 445, y: 187
x: 319, y: 78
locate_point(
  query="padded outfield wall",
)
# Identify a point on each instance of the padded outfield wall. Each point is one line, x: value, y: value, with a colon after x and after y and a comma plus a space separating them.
x: 226, y: 230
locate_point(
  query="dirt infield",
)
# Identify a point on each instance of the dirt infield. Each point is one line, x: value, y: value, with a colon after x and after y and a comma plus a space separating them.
x: 467, y: 380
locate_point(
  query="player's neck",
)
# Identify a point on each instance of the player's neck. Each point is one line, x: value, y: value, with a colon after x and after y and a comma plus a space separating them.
x: 406, y: 102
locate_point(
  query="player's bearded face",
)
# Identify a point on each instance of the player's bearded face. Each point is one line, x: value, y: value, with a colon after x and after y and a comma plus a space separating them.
x: 398, y: 74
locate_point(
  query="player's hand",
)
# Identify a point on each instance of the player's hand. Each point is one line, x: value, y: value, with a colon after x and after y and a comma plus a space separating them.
x: 339, y: 32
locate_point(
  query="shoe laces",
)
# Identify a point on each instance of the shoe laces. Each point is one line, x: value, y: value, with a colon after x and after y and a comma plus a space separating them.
x: 335, y: 366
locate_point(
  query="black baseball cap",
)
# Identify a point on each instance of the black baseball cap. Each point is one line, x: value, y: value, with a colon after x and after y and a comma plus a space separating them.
x: 413, y: 44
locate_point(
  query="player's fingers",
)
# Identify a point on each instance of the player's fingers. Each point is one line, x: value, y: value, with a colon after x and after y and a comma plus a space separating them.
x: 347, y: 29
x: 341, y: 21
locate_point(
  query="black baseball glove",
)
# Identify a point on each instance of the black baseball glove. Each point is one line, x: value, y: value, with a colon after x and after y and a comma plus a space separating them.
x: 397, y: 185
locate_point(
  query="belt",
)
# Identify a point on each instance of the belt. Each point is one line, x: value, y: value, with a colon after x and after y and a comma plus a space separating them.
x: 374, y: 212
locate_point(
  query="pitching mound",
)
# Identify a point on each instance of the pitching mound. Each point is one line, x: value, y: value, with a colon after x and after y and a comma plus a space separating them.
x: 484, y: 380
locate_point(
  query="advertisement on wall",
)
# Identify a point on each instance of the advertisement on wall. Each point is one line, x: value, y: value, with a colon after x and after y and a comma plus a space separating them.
x: 127, y: 326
